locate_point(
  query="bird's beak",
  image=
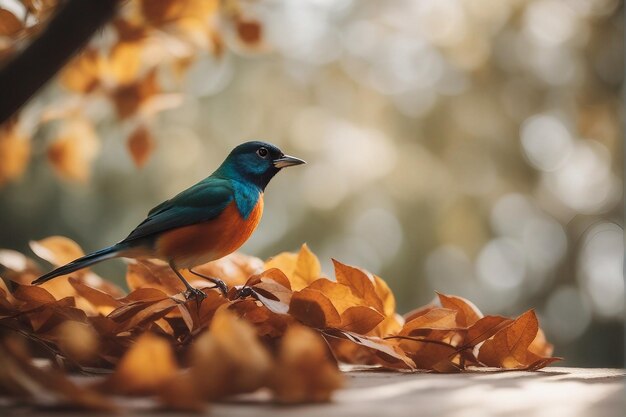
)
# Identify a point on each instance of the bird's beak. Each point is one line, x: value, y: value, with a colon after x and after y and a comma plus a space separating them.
x: 287, y: 161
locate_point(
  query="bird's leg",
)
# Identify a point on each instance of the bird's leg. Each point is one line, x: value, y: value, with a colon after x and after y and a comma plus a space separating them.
x: 218, y: 282
x: 191, y: 291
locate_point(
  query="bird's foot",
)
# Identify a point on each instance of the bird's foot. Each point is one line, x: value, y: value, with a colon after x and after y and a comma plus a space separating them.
x: 218, y: 283
x: 194, y: 294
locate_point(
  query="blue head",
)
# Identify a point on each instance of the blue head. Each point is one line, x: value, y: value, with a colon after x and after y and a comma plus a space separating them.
x: 255, y: 162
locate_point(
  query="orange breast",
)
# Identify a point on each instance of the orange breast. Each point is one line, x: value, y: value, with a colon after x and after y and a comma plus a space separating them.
x: 204, y: 242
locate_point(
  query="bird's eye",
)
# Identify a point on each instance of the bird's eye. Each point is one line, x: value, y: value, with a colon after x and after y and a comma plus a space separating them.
x: 262, y: 152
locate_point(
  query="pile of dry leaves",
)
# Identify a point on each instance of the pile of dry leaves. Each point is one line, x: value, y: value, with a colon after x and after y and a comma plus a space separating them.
x: 282, y: 329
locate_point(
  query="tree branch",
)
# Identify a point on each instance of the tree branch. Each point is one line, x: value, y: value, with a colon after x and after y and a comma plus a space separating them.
x: 70, y: 29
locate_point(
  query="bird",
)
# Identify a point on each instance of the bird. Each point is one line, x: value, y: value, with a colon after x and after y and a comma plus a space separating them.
x: 203, y: 223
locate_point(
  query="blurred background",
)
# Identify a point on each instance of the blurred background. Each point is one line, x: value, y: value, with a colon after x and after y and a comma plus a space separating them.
x: 471, y: 147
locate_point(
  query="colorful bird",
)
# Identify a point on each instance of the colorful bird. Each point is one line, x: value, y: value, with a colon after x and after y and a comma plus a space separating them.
x: 203, y: 223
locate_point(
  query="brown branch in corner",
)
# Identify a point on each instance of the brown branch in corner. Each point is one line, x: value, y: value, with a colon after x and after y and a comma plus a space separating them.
x: 71, y: 28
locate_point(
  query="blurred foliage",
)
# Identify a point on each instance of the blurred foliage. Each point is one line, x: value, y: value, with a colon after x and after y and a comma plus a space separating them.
x: 467, y: 146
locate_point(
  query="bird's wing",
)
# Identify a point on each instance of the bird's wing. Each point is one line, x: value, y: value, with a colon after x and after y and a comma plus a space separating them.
x: 199, y: 203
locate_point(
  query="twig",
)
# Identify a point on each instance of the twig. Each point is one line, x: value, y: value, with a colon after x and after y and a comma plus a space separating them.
x: 423, y: 340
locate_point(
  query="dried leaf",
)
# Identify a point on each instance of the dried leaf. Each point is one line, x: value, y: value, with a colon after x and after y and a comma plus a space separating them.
x: 540, y: 345
x: 254, y: 338
x: 340, y: 295
x: 313, y: 308
x: 57, y: 250
x: 438, y: 318
x: 82, y: 74
x: 229, y: 351
x: 467, y: 312
x: 78, y: 340
x: 45, y: 387
x: 250, y: 31
x: 129, y: 31
x: 10, y: 25
x: 509, y: 348
x: 304, y: 370
x: 147, y: 365
x: 161, y: 11
x: 359, y: 282
x: 15, y: 149
x: 485, y: 328
x: 360, y: 319
x: 302, y: 268
x: 140, y: 145
x: 129, y: 98
x: 74, y: 149
x: 124, y: 62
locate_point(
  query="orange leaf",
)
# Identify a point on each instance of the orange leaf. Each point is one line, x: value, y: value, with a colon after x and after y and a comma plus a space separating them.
x: 272, y: 289
x: 467, y: 312
x: 82, y: 74
x: 509, y: 347
x: 437, y: 318
x: 340, y: 295
x: 128, y: 31
x: 314, y: 309
x: 14, y: 152
x: 9, y: 24
x: 386, y: 296
x: 105, y: 303
x: 58, y: 250
x: 140, y: 144
x: 361, y: 284
x: 302, y: 268
x: 485, y: 328
x: 78, y: 340
x: 130, y: 97
x: 124, y: 62
x: 304, y: 371
x: 161, y: 11
x: 540, y: 345
x: 74, y: 149
x: 249, y: 31
x: 360, y: 319
x: 148, y: 364
x: 229, y: 351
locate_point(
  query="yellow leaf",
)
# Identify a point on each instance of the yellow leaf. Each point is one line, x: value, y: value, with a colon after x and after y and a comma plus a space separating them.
x: 72, y: 153
x: 302, y: 268
x: 14, y: 153
x: 360, y: 282
x: 82, y: 74
x: 124, y: 62
x: 58, y: 250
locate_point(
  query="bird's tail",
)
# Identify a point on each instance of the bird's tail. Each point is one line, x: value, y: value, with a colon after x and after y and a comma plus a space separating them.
x: 80, y: 263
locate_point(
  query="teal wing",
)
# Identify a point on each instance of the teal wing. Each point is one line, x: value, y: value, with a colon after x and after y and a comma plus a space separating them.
x: 199, y: 203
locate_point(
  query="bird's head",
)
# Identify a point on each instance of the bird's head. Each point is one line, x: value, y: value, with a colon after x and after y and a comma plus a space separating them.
x: 256, y: 162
